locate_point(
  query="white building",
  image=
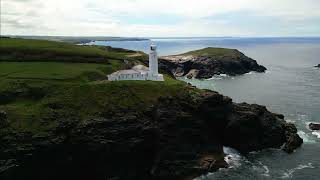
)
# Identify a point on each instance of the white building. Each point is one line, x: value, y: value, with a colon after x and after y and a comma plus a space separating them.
x: 140, y: 72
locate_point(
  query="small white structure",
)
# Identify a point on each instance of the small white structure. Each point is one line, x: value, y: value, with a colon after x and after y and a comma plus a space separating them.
x: 140, y: 72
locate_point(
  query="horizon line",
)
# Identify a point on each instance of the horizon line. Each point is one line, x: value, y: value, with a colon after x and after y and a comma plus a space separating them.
x: 156, y: 37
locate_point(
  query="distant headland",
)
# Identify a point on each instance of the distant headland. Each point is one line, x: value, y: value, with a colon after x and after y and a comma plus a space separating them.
x: 205, y: 63
x: 79, y: 39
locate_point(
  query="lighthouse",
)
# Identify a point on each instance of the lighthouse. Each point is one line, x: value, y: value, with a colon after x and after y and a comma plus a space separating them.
x: 140, y: 72
x: 153, y: 61
x: 153, y: 65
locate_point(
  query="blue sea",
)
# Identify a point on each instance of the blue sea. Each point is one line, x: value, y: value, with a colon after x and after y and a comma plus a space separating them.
x: 291, y: 86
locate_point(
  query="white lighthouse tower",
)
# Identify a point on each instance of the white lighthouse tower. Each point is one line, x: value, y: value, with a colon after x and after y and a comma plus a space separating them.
x: 140, y: 72
x: 153, y: 73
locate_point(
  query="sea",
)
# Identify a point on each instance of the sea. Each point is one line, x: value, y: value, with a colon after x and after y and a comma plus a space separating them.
x: 290, y: 86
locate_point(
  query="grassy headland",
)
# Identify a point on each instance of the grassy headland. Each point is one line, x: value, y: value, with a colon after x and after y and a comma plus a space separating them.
x: 38, y: 93
x: 213, y: 52
x: 64, y: 120
x: 12, y: 49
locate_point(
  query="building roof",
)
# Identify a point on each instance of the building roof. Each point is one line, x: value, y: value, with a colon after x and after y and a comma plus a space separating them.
x: 127, y: 71
x: 140, y: 68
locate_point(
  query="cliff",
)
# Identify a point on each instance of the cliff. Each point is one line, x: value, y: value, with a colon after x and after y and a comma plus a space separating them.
x: 178, y: 135
x: 64, y: 121
x: 205, y: 63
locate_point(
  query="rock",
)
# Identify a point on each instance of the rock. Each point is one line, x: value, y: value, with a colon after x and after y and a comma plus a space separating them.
x: 293, y: 142
x: 281, y: 116
x: 3, y: 119
x: 318, y: 66
x: 253, y: 127
x: 192, y: 73
x: 178, y: 137
x: 7, y: 168
x: 314, y: 126
x: 290, y: 129
x: 205, y: 66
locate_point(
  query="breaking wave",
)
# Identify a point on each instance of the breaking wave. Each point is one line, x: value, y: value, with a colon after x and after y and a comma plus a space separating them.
x: 316, y: 134
x: 289, y: 173
x: 232, y: 157
x: 306, y: 138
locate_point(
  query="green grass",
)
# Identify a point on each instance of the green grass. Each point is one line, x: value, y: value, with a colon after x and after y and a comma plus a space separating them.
x: 39, y: 46
x: 30, y: 110
x: 38, y: 96
x: 55, y: 70
x: 212, y: 51
x: 12, y: 49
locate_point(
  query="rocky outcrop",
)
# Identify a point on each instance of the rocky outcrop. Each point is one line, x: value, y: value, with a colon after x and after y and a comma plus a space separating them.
x: 293, y: 141
x: 318, y: 66
x: 314, y: 126
x: 233, y: 62
x: 177, y: 138
x: 253, y: 127
x: 3, y: 119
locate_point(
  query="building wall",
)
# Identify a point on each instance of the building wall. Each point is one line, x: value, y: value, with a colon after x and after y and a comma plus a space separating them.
x: 141, y: 77
x: 128, y: 77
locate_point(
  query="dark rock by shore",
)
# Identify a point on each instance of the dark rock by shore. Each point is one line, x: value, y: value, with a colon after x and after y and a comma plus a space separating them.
x: 3, y: 119
x: 318, y: 66
x: 314, y: 126
x: 207, y: 62
x: 177, y: 138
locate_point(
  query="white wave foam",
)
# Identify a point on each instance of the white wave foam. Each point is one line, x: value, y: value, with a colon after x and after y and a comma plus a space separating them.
x: 306, y: 138
x: 290, y: 121
x: 214, y: 78
x: 223, y: 75
x: 250, y: 72
x: 267, y: 171
x: 265, y: 168
x: 289, y: 173
x: 232, y: 157
x: 219, y: 77
x: 316, y: 133
x: 302, y: 117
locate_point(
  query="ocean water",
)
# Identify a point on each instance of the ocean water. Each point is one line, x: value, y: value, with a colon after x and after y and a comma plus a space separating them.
x: 291, y: 86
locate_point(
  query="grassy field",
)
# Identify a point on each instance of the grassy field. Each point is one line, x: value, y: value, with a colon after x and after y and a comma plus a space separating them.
x: 39, y: 46
x: 39, y: 105
x: 38, y: 96
x: 12, y: 49
x: 56, y: 70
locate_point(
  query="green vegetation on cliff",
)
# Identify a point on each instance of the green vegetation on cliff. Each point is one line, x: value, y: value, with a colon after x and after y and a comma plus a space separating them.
x: 37, y: 95
x: 12, y: 49
x: 64, y: 120
x: 214, y: 51
x: 56, y: 71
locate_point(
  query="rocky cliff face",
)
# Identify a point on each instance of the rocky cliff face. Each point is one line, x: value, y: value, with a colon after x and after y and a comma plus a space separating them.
x: 176, y: 138
x: 201, y: 64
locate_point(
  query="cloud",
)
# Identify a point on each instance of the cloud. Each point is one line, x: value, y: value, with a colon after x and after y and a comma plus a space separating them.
x: 161, y: 17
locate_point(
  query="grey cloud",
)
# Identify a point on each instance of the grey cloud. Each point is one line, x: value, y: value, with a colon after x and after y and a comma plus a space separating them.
x: 15, y: 23
x: 21, y: 0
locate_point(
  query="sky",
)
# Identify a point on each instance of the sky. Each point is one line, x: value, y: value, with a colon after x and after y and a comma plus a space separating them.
x: 161, y: 18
